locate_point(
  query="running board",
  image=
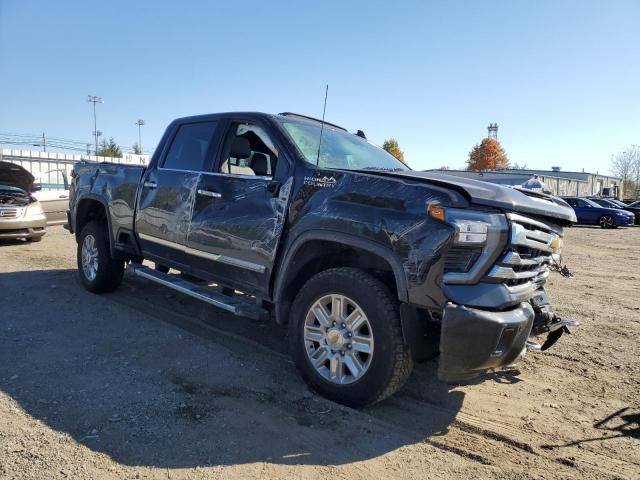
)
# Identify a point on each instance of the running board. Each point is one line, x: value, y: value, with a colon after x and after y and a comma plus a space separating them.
x: 217, y: 299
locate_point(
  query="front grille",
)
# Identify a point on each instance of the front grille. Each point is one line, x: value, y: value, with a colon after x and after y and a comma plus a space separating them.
x: 527, y: 257
x: 10, y: 212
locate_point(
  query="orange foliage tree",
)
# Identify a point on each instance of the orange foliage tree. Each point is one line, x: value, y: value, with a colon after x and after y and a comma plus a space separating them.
x: 489, y: 155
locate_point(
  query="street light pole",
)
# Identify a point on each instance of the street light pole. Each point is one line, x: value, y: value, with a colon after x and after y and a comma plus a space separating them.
x: 140, y: 123
x: 94, y: 99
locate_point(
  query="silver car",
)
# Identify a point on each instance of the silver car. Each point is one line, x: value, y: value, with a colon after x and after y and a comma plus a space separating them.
x: 21, y: 215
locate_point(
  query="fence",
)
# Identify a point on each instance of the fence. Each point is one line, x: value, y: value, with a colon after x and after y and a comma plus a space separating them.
x: 48, y: 167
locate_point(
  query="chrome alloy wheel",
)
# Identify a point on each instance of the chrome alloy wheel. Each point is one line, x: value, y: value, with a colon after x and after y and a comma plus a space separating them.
x: 338, y: 339
x: 89, y: 256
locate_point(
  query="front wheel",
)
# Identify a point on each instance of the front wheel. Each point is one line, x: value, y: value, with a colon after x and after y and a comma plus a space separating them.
x: 99, y: 271
x: 607, y: 221
x: 346, y: 339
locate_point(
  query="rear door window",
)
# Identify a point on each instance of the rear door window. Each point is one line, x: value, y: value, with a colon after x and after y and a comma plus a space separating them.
x: 190, y: 147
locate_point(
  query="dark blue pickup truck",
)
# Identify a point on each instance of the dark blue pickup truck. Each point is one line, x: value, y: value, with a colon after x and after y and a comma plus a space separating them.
x: 370, y: 264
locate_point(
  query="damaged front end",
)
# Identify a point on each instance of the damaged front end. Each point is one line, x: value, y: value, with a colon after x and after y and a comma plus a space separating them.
x: 491, y: 318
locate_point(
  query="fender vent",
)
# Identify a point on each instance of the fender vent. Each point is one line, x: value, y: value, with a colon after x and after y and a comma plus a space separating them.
x: 461, y: 259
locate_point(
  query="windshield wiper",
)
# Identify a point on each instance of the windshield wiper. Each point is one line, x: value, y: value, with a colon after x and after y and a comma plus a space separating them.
x: 380, y: 169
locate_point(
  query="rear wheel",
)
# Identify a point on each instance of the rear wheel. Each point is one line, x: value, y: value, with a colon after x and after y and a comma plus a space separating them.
x: 607, y: 221
x: 99, y: 271
x: 346, y: 339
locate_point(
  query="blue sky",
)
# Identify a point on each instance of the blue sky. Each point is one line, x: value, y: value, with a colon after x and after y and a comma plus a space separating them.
x: 561, y: 78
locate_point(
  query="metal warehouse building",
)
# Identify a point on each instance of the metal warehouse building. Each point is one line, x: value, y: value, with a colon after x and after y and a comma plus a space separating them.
x: 559, y: 183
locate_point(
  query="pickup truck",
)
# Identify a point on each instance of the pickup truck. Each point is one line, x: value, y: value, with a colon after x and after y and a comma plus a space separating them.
x: 371, y: 265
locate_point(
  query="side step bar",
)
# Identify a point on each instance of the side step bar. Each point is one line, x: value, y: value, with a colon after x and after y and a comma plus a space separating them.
x: 217, y: 299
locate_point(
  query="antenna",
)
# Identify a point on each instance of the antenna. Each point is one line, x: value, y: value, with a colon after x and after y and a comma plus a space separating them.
x: 326, y: 93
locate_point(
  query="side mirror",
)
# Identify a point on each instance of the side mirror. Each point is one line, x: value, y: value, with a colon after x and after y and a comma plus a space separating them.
x: 36, y: 187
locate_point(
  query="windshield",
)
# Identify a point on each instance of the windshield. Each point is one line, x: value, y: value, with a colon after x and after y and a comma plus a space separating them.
x: 339, y: 149
x: 604, y: 203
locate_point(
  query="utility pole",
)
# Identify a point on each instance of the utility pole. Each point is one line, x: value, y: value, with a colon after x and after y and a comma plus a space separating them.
x: 139, y: 123
x: 93, y: 99
x: 44, y: 143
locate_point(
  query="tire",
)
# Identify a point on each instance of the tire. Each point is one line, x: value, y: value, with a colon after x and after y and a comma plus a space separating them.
x: 388, y: 366
x: 607, y: 221
x: 34, y: 239
x: 107, y: 271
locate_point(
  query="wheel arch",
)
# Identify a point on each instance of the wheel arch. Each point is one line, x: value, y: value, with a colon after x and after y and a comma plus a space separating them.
x: 92, y: 207
x: 315, y: 251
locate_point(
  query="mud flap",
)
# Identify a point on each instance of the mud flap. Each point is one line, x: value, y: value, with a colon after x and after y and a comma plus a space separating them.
x: 473, y: 340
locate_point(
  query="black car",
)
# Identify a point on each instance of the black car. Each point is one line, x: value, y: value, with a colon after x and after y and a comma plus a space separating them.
x: 371, y: 264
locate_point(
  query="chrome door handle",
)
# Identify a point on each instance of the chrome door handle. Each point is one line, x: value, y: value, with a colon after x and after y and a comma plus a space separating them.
x: 209, y: 193
x: 150, y: 184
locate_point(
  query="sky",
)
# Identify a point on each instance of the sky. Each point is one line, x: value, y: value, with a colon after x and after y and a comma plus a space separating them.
x: 561, y: 78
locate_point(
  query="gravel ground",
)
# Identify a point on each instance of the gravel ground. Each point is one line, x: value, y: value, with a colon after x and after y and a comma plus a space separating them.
x: 145, y: 383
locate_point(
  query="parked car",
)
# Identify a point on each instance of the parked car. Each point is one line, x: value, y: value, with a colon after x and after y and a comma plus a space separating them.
x: 54, y: 201
x: 589, y: 212
x: 618, y: 204
x: 370, y: 264
x: 21, y: 215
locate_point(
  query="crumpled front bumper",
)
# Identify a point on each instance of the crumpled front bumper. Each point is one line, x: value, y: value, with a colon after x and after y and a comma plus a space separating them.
x: 474, y: 340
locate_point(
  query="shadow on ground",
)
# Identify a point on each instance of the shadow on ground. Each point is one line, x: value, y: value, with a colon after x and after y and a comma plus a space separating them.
x: 115, y: 373
x: 624, y: 422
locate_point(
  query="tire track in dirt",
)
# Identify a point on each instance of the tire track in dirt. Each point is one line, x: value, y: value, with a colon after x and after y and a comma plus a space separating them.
x: 508, y: 435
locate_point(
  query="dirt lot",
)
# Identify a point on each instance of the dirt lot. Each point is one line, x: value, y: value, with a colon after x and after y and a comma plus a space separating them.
x: 144, y: 383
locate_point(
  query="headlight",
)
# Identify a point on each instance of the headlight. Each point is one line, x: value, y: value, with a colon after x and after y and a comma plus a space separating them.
x: 471, y: 232
x: 34, y: 209
x: 469, y: 229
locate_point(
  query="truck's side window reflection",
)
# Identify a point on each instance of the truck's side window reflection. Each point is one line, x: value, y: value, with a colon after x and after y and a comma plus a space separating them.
x: 262, y: 157
x: 189, y: 147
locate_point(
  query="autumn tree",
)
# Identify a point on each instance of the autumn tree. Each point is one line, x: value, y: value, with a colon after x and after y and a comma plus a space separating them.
x: 393, y: 148
x: 489, y: 155
x: 109, y: 149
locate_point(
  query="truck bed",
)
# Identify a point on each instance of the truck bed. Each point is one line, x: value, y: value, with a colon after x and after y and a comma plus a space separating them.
x: 113, y: 183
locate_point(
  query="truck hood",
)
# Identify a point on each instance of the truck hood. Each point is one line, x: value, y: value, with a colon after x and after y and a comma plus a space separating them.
x: 492, y: 195
x: 16, y: 176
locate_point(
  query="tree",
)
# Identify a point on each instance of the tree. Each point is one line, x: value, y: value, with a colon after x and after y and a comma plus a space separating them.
x: 137, y: 149
x: 626, y: 165
x: 489, y: 155
x: 517, y: 166
x: 109, y: 149
x: 393, y: 148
